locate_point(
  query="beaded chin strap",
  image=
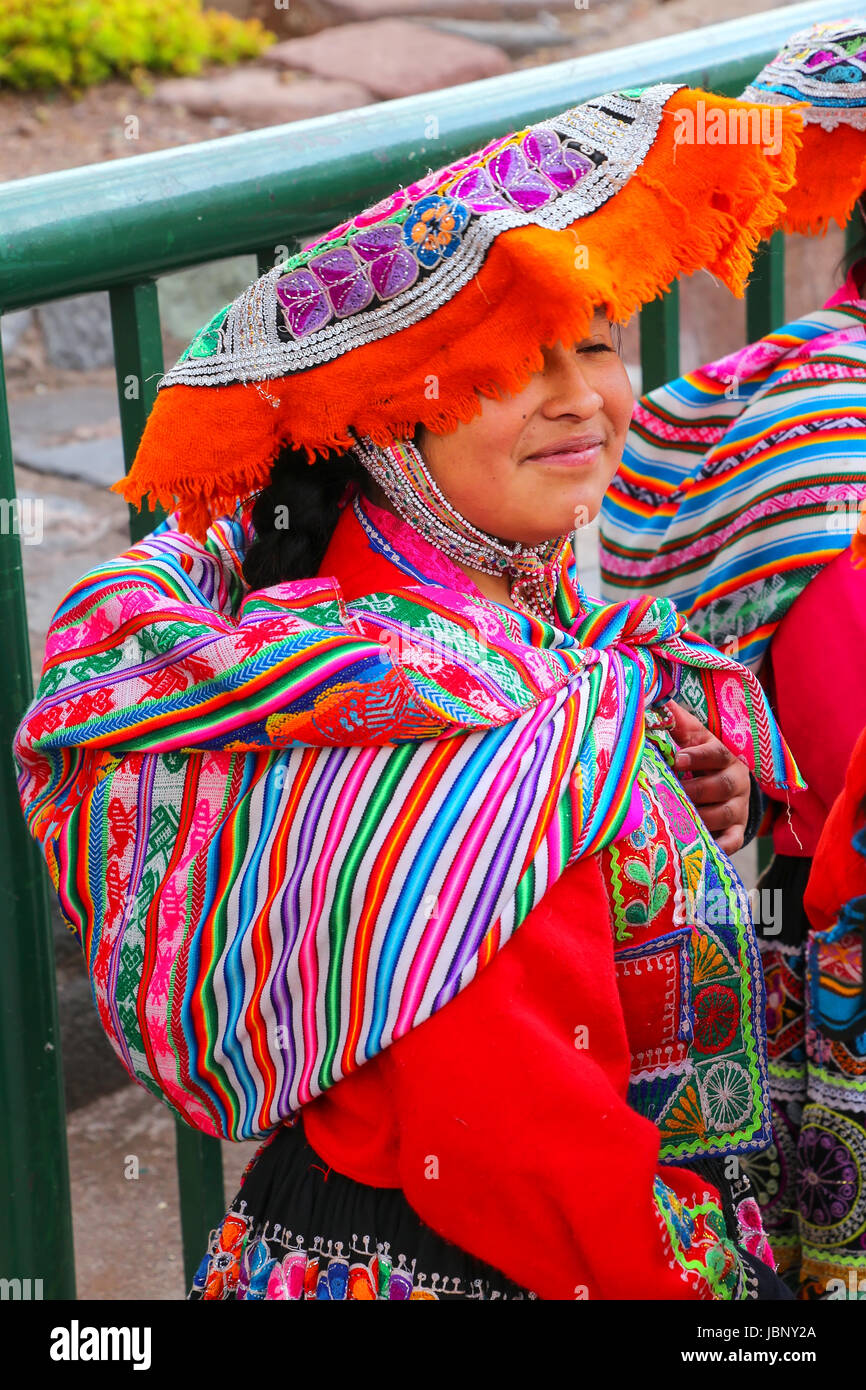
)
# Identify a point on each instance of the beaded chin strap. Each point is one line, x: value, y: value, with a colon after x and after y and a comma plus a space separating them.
x: 403, y: 475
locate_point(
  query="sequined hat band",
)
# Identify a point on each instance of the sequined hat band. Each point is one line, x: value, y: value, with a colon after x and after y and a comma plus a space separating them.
x: 403, y: 475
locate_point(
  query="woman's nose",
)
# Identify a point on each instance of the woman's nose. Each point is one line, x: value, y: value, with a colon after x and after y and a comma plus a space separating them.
x: 568, y: 387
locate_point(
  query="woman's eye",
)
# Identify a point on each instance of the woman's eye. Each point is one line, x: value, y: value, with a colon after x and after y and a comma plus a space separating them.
x: 596, y: 347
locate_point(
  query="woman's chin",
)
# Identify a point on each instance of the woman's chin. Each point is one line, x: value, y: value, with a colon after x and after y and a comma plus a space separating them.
x: 564, y: 521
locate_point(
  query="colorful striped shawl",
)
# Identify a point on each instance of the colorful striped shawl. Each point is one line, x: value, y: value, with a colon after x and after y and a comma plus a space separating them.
x: 741, y: 480
x: 286, y: 829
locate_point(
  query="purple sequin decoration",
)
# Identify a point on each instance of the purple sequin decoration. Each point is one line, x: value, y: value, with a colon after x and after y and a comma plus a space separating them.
x: 381, y: 261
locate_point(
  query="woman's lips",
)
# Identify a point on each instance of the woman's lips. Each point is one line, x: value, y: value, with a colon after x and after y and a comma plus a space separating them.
x: 571, y: 453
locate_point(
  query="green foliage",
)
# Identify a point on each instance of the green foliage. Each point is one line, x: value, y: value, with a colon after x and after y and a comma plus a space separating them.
x: 77, y: 43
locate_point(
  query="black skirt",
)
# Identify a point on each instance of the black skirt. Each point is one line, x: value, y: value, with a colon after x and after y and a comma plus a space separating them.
x: 298, y: 1229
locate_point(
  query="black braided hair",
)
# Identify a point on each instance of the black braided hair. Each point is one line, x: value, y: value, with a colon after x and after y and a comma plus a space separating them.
x: 294, y: 516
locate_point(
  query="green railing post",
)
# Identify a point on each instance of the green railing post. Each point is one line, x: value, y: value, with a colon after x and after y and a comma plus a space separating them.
x: 660, y: 339
x: 200, y: 1182
x: 138, y: 365
x: 765, y: 292
x: 36, y: 1240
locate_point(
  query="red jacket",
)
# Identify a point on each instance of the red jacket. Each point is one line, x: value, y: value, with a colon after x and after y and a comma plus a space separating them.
x: 556, y: 1191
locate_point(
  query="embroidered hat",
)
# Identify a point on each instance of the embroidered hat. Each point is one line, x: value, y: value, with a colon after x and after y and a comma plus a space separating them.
x: 825, y: 67
x: 451, y: 287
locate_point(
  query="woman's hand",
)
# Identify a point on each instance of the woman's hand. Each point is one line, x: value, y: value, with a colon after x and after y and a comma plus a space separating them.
x: 713, y: 778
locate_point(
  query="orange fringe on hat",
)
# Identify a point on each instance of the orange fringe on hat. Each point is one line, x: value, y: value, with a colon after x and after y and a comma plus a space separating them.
x: 831, y: 175
x: 688, y: 205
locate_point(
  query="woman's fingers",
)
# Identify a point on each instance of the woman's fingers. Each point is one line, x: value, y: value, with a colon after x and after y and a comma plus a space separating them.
x: 715, y: 779
x: 719, y: 786
x: 724, y: 815
x: 731, y: 840
x: 686, y: 729
x: 704, y: 757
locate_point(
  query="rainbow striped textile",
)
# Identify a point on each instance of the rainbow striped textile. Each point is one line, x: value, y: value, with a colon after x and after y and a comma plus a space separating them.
x: 286, y: 828
x: 742, y: 480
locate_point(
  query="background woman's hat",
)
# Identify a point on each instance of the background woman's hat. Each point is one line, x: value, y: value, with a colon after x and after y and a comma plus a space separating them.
x: 824, y: 67
x: 452, y: 286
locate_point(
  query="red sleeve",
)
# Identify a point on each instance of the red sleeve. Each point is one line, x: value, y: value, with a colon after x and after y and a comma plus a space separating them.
x: 820, y: 704
x: 838, y: 872
x: 515, y: 1139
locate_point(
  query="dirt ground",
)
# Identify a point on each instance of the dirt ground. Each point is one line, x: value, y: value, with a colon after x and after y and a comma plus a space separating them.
x: 46, y: 131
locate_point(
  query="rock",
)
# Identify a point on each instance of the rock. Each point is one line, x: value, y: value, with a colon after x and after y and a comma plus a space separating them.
x: 98, y: 461
x: 74, y: 433
x: 453, y: 9
x: 391, y: 57
x: 45, y: 414
x: 12, y: 326
x: 262, y: 97
x: 515, y: 37
x: 127, y: 1230
x: 77, y: 332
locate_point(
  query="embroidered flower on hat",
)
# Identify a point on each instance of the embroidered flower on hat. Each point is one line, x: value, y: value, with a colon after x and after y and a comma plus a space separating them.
x: 345, y: 279
x: 306, y: 307
x: 433, y: 228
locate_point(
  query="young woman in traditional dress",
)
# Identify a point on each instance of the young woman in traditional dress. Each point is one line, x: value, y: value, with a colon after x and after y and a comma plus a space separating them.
x: 365, y: 811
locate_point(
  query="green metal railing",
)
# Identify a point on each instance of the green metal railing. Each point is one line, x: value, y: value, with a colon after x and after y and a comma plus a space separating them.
x: 118, y: 226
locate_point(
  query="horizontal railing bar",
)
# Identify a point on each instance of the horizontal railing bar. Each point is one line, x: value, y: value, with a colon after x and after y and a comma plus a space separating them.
x: 100, y: 225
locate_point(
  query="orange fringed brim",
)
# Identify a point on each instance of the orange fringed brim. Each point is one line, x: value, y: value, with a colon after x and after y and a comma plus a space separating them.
x: 831, y: 174
x: 688, y: 205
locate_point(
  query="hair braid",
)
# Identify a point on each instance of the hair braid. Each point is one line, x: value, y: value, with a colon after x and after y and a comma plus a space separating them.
x: 294, y: 516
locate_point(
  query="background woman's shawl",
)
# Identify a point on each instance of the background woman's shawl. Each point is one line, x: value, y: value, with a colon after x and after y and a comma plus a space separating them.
x: 287, y: 829
x: 741, y: 480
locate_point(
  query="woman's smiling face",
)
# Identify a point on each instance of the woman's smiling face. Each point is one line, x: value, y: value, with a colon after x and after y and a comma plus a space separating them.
x: 537, y: 464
